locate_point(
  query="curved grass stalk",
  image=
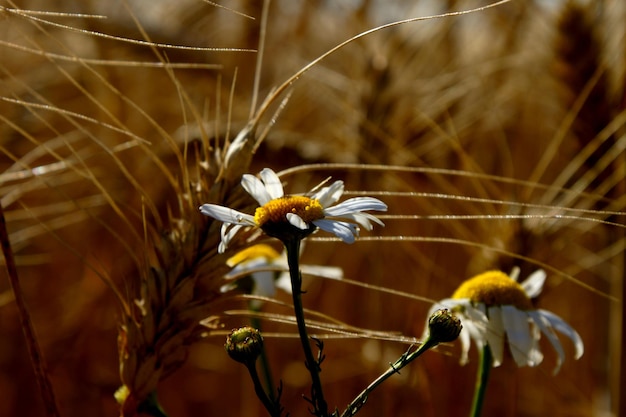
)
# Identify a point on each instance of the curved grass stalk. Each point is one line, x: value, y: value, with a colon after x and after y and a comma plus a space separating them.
x: 454, y: 241
x: 31, y: 16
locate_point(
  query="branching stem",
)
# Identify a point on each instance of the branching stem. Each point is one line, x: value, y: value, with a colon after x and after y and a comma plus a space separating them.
x: 394, y: 368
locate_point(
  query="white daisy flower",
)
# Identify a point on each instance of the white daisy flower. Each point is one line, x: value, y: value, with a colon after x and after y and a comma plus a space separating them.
x: 492, y: 304
x: 286, y: 217
x: 269, y: 270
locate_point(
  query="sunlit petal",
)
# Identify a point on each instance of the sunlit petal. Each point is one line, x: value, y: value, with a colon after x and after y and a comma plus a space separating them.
x: 256, y: 189
x: 355, y: 205
x: 328, y: 196
x: 363, y: 219
x: 227, y: 215
x: 534, y: 283
x: 284, y: 282
x: 273, y: 186
x: 227, y: 231
x: 330, y: 272
x: 297, y: 221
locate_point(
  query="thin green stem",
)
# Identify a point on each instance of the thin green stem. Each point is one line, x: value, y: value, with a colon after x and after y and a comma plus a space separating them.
x: 272, y: 406
x: 394, y: 368
x: 482, y: 378
x: 293, y: 259
x: 265, y: 365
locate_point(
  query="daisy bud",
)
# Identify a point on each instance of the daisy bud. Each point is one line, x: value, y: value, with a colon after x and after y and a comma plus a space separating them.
x: 244, y: 345
x: 444, y: 326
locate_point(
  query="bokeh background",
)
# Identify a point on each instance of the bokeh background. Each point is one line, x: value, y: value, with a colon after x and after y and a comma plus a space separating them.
x: 501, y: 136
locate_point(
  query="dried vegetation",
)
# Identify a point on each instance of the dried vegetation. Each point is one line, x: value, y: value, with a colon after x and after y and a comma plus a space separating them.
x: 496, y: 138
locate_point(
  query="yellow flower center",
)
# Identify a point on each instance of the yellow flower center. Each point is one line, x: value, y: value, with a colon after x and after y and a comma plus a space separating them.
x: 275, y: 211
x: 253, y: 252
x: 494, y: 288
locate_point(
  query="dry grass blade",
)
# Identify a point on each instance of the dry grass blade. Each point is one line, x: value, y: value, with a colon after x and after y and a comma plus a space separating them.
x: 37, y: 360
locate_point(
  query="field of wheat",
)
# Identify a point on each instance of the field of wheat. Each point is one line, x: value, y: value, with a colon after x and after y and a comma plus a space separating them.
x: 494, y: 132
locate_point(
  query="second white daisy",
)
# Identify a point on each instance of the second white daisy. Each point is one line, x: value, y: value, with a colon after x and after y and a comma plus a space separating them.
x: 492, y: 305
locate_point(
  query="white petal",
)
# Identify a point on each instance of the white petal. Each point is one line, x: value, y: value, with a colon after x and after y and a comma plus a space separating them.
x: 495, y: 334
x: 476, y: 333
x: 561, y: 326
x: 272, y: 183
x: 546, y: 329
x: 514, y: 275
x: 227, y: 287
x: 249, y: 267
x: 328, y: 196
x: 450, y: 304
x: 344, y: 231
x: 355, y: 205
x: 284, y: 282
x: 227, y: 231
x: 464, y: 336
x: 330, y: 272
x: 476, y: 323
x: 297, y: 221
x: 477, y: 315
x: 256, y: 189
x: 534, y: 283
x: 227, y: 215
x: 264, y: 283
x: 535, y: 357
x: 520, y: 342
x: 363, y: 219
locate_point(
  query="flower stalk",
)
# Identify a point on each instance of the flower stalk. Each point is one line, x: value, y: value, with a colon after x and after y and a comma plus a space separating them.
x: 313, y: 365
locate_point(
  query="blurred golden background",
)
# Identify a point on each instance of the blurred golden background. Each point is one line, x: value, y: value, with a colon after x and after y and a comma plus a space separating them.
x: 498, y: 137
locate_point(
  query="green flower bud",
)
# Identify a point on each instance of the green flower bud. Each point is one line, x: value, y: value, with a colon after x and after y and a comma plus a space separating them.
x: 444, y: 326
x: 244, y: 344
